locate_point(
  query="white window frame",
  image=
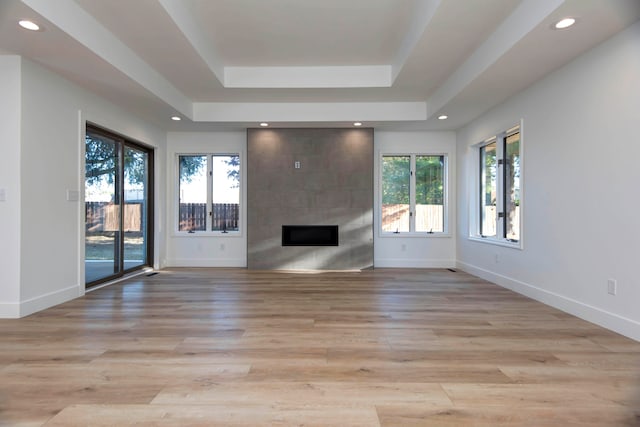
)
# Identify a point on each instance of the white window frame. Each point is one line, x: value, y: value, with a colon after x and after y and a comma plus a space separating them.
x: 209, y: 219
x: 412, y: 199
x: 476, y: 200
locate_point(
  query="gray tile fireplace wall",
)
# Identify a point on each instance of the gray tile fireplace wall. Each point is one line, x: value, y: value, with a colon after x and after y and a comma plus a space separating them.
x: 310, y: 177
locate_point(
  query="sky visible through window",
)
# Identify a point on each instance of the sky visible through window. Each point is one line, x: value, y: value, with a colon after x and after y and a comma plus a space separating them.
x: 225, y: 187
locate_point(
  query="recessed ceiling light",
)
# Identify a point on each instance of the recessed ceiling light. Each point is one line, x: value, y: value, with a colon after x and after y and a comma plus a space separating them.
x: 29, y: 25
x: 357, y: 124
x: 264, y: 124
x: 176, y: 118
x: 443, y: 117
x: 564, y: 23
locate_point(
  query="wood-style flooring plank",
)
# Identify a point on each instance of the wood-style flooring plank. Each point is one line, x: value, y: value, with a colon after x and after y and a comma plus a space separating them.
x: 559, y: 394
x: 390, y: 347
x: 404, y: 415
x: 238, y: 415
x: 327, y: 394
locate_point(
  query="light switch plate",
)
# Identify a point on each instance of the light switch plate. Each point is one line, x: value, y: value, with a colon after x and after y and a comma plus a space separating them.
x: 73, y: 195
x: 3, y: 195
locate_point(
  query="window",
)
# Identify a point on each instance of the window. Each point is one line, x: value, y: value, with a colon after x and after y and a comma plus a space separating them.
x: 413, y: 193
x: 209, y: 193
x: 500, y: 187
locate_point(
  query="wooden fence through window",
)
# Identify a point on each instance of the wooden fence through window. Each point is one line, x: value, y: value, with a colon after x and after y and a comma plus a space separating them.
x: 105, y: 216
x: 428, y: 218
x: 193, y: 216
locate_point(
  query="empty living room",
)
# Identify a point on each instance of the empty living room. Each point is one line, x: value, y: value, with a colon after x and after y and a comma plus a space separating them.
x: 319, y: 213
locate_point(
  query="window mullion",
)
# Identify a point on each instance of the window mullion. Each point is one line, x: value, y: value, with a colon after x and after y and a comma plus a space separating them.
x: 445, y: 194
x: 412, y: 195
x: 119, y: 175
x: 500, y: 187
x: 480, y: 190
x: 503, y: 176
x: 209, y: 193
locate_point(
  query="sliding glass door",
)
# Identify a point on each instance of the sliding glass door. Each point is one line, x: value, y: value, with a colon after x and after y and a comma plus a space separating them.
x: 136, y: 206
x: 118, y: 206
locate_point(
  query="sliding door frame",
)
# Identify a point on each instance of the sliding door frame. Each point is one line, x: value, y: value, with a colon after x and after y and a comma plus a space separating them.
x: 123, y: 143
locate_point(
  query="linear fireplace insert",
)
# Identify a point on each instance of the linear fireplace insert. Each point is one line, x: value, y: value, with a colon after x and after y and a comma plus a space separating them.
x: 309, y: 235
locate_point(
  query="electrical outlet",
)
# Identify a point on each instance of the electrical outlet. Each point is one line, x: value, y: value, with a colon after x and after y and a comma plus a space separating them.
x: 612, y: 287
x: 403, y: 247
x: 497, y: 258
x: 222, y: 246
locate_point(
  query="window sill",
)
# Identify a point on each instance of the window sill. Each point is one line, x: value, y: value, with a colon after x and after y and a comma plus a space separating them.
x: 415, y: 235
x: 496, y: 242
x: 207, y: 234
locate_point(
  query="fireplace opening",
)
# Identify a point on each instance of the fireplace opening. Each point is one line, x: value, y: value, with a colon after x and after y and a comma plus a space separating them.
x: 309, y: 235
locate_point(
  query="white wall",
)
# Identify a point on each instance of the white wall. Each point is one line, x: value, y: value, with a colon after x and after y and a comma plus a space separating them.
x: 51, y: 151
x: 424, y: 251
x: 10, y: 185
x: 201, y: 249
x: 581, y: 198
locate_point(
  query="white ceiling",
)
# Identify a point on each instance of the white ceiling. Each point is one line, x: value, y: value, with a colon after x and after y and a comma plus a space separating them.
x: 229, y: 64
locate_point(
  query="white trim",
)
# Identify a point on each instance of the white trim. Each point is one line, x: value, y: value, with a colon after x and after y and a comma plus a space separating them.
x: 207, y: 262
x: 413, y: 263
x: 414, y: 234
x: 497, y: 242
x: 622, y: 325
x: 9, y: 310
x: 202, y: 233
x: 82, y: 185
x: 48, y: 300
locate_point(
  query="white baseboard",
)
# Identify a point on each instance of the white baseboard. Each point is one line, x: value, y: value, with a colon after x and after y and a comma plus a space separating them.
x: 9, y: 310
x: 207, y: 262
x: 30, y: 306
x: 41, y: 302
x: 413, y: 263
x: 622, y: 325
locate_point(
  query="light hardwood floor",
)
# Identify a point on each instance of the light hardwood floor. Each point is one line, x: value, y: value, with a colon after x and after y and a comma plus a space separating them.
x: 231, y: 347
